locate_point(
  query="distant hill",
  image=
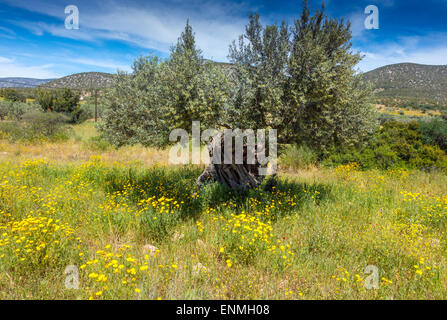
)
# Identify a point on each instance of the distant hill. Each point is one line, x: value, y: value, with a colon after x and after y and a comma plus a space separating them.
x: 85, y: 80
x: 402, y: 81
x: 424, y: 83
x: 22, y: 82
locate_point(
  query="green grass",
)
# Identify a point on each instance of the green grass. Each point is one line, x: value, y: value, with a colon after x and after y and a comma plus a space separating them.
x: 136, y: 231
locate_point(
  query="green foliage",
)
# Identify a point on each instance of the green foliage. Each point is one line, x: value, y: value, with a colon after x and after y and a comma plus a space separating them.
x: 13, y: 95
x: 97, y: 143
x: 35, y: 127
x: 303, y: 84
x: 429, y: 158
x: 45, y: 100
x: 435, y: 132
x: 4, y: 109
x: 259, y: 75
x: 164, y: 95
x: 396, y: 144
x: 65, y: 101
x: 47, y: 123
x: 295, y: 157
x: 18, y: 110
x: 87, y: 110
x: 14, y: 110
x: 417, y: 105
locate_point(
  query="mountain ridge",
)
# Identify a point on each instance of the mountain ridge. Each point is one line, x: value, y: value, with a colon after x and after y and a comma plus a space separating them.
x: 422, y: 82
x: 22, y: 82
x: 82, y: 81
x: 404, y: 81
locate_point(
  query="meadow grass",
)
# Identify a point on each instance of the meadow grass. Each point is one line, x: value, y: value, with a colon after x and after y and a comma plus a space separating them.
x: 137, y: 228
x: 406, y: 112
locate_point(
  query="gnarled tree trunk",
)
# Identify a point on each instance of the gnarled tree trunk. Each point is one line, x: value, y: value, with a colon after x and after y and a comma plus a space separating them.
x: 237, y: 176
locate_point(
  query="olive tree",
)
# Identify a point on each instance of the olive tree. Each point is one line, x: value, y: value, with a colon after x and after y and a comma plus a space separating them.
x: 300, y: 80
x: 160, y: 96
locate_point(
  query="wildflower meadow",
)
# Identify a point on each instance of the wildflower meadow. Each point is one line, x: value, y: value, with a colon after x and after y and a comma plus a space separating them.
x: 78, y: 222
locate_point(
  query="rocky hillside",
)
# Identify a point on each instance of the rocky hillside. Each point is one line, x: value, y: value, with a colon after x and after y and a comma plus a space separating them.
x: 410, y: 81
x: 22, y: 82
x: 85, y: 80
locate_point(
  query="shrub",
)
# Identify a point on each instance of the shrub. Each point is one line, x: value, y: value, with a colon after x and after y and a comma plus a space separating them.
x: 5, y: 106
x: 48, y: 123
x: 13, y: 95
x: 97, y: 143
x: 45, y: 99
x: 384, y: 157
x: 64, y: 102
x: 444, y: 115
x: 430, y: 157
x: 396, y: 144
x: 36, y: 127
x: 295, y: 157
x: 19, y: 109
x: 14, y: 110
x: 435, y: 132
x: 87, y: 111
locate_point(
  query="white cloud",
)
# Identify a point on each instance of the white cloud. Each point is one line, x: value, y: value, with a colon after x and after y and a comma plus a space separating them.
x: 7, y: 33
x: 357, y: 23
x: 154, y: 26
x: 5, y: 60
x: 109, y: 64
x: 403, y: 52
x: 10, y: 68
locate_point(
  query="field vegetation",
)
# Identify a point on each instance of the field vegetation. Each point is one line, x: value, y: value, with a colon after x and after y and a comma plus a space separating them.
x: 358, y: 209
x: 138, y: 228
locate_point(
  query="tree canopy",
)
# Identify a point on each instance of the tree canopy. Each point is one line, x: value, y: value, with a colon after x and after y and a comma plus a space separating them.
x: 299, y: 79
x: 160, y: 96
x: 302, y: 81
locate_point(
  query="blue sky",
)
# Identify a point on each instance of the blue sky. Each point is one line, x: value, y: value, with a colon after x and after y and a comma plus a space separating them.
x: 34, y: 41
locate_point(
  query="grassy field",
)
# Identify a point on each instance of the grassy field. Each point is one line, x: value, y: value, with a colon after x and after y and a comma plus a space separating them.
x: 407, y: 112
x: 132, y: 227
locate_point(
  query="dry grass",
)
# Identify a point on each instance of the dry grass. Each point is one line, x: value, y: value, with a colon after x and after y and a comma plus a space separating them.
x: 77, y: 150
x: 407, y: 112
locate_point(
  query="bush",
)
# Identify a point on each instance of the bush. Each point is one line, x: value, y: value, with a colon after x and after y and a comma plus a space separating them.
x: 444, y: 115
x: 395, y: 144
x: 88, y: 111
x: 13, y: 95
x: 97, y: 143
x: 295, y: 157
x: 47, y: 123
x: 430, y: 157
x: 435, y: 132
x: 36, y: 127
x: 5, y: 106
x: 18, y: 110
x: 384, y: 157
x: 64, y: 102
x: 14, y: 110
x: 45, y: 99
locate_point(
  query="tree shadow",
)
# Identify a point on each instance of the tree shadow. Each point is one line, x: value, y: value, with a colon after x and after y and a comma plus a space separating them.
x: 274, y: 198
x: 278, y: 196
